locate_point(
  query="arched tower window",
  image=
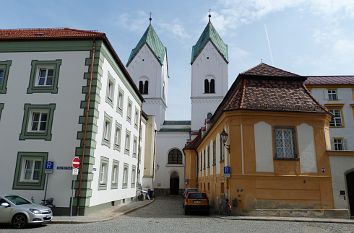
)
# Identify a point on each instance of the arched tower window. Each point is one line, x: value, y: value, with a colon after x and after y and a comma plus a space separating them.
x: 206, y: 86
x: 175, y: 156
x: 144, y: 87
x: 209, y: 85
x: 212, y: 86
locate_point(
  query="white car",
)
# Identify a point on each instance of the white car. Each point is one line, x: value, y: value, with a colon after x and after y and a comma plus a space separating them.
x: 19, y: 211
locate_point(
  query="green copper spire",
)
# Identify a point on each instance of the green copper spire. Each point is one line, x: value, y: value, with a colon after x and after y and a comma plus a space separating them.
x: 210, y: 34
x: 151, y: 39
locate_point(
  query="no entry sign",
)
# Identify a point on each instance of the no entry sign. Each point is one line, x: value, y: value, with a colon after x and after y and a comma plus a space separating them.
x: 76, y: 162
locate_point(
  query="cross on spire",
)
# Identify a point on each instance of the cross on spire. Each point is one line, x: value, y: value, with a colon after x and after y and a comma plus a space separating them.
x: 150, y: 19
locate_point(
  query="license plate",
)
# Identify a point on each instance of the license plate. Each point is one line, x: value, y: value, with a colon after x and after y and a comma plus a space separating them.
x: 197, y: 202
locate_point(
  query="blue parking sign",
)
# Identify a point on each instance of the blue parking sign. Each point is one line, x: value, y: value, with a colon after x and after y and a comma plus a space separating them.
x: 49, y: 166
x: 227, y: 171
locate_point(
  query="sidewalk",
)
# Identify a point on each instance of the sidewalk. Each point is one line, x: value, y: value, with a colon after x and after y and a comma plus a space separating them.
x: 289, y: 219
x: 102, y: 215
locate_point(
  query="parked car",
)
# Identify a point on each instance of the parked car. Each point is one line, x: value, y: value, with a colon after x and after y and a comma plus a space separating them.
x: 19, y: 212
x: 196, y: 202
x: 187, y: 190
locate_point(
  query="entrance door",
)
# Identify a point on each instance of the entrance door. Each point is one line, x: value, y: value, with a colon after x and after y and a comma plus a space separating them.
x: 174, y: 183
x: 350, y: 186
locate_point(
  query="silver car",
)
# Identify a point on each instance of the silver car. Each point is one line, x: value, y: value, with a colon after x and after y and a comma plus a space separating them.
x: 19, y: 211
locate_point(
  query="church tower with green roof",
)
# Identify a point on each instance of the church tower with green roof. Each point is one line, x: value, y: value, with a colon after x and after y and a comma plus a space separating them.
x: 209, y: 75
x: 147, y: 64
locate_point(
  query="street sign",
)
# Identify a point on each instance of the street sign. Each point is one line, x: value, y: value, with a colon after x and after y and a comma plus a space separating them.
x: 227, y: 171
x: 76, y: 162
x: 49, y: 166
x: 75, y: 171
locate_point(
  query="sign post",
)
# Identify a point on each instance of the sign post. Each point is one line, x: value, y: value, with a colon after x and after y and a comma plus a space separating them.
x: 75, y: 172
x: 48, y: 169
x: 227, y: 171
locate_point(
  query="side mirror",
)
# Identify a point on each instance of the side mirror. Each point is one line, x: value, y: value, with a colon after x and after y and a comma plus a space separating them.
x: 5, y: 204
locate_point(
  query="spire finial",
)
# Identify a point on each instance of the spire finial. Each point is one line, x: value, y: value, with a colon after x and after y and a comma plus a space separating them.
x: 150, y: 19
x: 209, y: 14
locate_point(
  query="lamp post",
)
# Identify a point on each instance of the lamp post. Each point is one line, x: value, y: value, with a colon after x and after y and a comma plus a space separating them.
x: 227, y: 168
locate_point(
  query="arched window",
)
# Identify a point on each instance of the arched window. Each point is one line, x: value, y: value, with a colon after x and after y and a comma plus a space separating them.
x: 212, y: 86
x: 146, y: 87
x: 206, y: 86
x: 175, y: 156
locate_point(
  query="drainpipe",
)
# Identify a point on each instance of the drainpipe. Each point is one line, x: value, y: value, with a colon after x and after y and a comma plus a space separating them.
x: 242, y: 153
x: 139, y: 151
x: 88, y: 99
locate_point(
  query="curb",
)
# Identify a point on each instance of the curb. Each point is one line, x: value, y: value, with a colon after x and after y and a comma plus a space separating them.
x: 313, y: 220
x: 113, y: 216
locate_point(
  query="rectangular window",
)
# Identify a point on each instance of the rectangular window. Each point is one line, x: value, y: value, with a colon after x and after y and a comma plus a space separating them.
x: 107, y: 128
x: 201, y: 161
x: 214, y: 152
x: 284, y: 143
x: 338, y: 144
x: 332, y: 94
x: 133, y: 176
x: 129, y: 110
x: 208, y: 151
x: 336, y: 120
x: 127, y: 142
x: 37, y: 122
x: 120, y: 101
x: 204, y: 160
x: 29, y: 172
x: 136, y: 118
x: 4, y: 75
x: 222, y: 152
x: 115, y: 172
x: 103, y: 173
x: 135, y: 146
x: 125, y: 176
x: 44, y: 77
x: 110, y: 90
x: 117, y: 136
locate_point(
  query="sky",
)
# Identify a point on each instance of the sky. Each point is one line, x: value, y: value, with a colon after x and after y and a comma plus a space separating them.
x: 306, y: 37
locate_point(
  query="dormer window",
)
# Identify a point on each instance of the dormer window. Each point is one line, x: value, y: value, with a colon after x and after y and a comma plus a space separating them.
x: 144, y: 87
x: 209, y: 86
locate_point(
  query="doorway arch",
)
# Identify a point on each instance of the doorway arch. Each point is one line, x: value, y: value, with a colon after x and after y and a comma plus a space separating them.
x: 350, y: 188
x: 174, y: 183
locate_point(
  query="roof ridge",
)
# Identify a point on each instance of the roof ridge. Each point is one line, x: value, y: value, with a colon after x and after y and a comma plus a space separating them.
x: 309, y: 94
x: 319, y: 76
x: 243, y: 92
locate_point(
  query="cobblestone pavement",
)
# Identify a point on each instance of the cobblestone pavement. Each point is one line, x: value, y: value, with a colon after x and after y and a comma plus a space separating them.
x: 165, y: 215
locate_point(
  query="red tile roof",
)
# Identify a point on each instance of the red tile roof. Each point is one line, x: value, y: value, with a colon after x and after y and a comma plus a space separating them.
x: 194, y: 143
x: 330, y: 80
x: 48, y: 34
x: 267, y: 70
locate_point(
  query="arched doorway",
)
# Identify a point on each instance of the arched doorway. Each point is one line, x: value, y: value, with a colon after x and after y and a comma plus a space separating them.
x: 350, y: 188
x: 174, y: 183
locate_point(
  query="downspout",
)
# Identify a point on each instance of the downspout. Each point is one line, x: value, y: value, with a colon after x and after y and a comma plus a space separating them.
x: 139, y: 151
x: 153, y: 160
x: 88, y: 99
x: 242, y: 153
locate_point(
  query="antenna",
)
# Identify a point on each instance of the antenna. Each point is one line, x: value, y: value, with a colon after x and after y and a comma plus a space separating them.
x: 268, y: 41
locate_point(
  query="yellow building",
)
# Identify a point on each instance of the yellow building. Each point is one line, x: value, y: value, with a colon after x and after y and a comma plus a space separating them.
x: 273, y: 135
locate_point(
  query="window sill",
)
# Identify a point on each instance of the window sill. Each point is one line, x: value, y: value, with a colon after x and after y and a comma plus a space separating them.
x: 174, y: 165
x: 287, y: 159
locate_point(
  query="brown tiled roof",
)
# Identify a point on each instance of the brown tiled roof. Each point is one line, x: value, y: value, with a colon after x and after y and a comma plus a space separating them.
x: 194, y: 143
x: 267, y: 70
x: 261, y: 92
x: 48, y: 33
x: 330, y: 80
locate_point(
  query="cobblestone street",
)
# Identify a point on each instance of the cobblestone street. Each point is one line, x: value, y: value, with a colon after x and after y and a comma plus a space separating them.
x: 165, y: 215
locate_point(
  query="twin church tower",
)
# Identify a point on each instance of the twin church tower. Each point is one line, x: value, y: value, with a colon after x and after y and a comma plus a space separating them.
x: 148, y: 66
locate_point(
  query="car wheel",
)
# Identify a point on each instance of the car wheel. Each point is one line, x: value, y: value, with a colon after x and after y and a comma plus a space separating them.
x: 19, y: 221
x: 186, y: 212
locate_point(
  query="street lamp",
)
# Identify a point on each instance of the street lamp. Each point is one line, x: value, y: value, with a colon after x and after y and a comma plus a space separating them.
x: 224, y: 136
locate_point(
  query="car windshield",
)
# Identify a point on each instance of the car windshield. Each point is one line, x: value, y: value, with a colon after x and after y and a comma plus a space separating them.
x: 17, y: 200
x: 197, y: 196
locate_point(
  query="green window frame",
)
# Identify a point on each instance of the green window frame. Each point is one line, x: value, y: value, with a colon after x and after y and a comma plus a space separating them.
x: 20, y: 182
x: 1, y: 108
x: 29, y: 109
x: 5, y: 67
x: 36, y: 66
x: 106, y: 130
x: 103, y: 173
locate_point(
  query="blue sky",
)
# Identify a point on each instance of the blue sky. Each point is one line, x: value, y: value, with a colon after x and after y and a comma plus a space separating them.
x: 307, y: 37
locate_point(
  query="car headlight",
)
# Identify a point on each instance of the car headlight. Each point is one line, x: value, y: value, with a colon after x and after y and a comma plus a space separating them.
x: 35, y: 211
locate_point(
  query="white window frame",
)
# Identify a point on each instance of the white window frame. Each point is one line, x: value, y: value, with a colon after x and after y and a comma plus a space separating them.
x: 135, y: 146
x: 38, y: 77
x: 115, y: 174
x: 32, y: 170
x: 103, y: 173
x: 129, y: 110
x: 282, y: 146
x: 31, y: 120
x: 132, y: 178
x: 127, y: 142
x: 136, y: 118
x: 338, y: 144
x: 332, y: 94
x: 118, y: 136
x: 337, y: 119
x: 125, y: 176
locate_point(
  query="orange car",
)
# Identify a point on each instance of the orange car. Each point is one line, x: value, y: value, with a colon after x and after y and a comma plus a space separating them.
x: 196, y: 201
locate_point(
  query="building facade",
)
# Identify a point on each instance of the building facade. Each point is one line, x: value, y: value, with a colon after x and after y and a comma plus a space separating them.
x: 65, y: 93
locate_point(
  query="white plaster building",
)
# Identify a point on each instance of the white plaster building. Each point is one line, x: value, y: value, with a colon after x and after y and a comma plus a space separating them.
x: 337, y: 94
x: 63, y: 90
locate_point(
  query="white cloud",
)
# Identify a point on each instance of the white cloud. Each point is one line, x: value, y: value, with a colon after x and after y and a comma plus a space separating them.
x: 136, y: 22
x: 175, y: 28
x: 343, y: 48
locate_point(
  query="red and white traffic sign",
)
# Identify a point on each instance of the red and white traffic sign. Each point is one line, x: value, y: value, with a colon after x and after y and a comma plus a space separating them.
x: 76, y: 162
